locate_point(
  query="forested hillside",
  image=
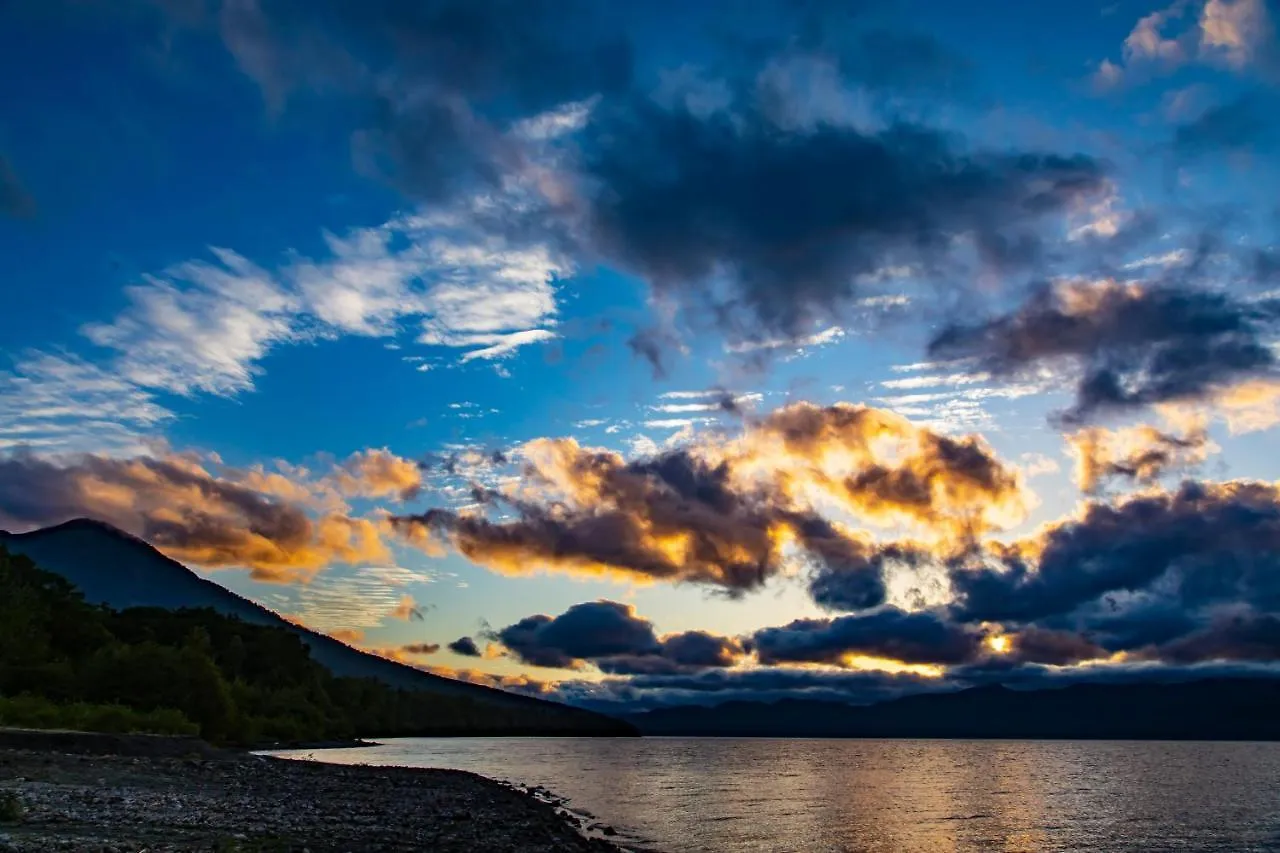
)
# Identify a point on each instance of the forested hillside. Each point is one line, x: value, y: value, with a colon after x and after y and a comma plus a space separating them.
x: 66, y: 663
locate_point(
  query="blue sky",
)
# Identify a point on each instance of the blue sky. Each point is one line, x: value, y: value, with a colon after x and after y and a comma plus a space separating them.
x: 281, y: 280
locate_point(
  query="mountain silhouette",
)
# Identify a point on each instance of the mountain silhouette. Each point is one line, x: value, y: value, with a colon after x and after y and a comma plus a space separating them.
x: 1211, y: 709
x: 119, y: 570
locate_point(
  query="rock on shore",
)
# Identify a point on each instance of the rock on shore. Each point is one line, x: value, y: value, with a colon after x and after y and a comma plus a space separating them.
x: 235, y: 802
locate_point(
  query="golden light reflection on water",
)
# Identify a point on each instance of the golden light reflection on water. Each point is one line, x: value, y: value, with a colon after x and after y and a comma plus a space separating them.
x: 688, y: 795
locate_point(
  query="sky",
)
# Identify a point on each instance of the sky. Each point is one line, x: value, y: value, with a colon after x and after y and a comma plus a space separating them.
x: 641, y: 354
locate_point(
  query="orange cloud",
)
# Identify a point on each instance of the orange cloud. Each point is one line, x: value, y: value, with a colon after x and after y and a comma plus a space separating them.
x: 407, y: 610
x: 378, y: 474
x: 188, y: 512
x: 1139, y: 453
x: 727, y: 512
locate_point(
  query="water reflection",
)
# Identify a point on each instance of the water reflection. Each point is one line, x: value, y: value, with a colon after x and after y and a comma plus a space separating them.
x: 728, y: 796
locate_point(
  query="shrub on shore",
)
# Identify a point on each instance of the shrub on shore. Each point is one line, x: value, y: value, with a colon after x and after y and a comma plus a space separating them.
x: 36, y: 712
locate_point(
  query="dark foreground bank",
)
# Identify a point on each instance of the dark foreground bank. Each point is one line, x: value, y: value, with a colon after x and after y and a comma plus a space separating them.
x: 207, y: 800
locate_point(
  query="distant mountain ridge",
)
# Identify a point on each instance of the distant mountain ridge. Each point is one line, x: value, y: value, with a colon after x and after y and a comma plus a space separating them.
x: 120, y: 570
x: 1210, y: 709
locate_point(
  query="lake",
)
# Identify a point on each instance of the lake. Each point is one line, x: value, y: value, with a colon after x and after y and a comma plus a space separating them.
x: 698, y: 795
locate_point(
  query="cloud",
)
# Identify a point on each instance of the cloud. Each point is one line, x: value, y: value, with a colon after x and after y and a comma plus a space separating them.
x: 613, y: 638
x: 466, y: 647
x: 1203, y: 543
x: 407, y: 610
x: 200, y: 327
x: 439, y: 81
x: 893, y: 635
x: 770, y: 227
x: 590, y: 630
x: 723, y: 512
x: 14, y: 199
x: 420, y: 649
x: 58, y: 403
x: 1133, y: 344
x: 345, y: 600
x: 1140, y: 453
x: 192, y: 515
x: 1238, y: 35
x: 760, y: 684
x: 379, y: 474
x: 503, y: 346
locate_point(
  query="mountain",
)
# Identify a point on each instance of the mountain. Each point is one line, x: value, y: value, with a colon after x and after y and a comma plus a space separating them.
x: 114, y: 568
x: 1211, y: 709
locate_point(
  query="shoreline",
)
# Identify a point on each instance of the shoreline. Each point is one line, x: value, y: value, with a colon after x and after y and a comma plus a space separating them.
x: 73, y: 795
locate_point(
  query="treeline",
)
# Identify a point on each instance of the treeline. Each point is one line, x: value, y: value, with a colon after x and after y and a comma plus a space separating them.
x: 67, y: 664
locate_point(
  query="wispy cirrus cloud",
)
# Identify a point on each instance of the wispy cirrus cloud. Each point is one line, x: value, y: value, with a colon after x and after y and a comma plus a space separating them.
x: 58, y: 402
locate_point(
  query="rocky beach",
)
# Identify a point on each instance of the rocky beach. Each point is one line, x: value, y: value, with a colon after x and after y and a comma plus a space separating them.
x: 110, y: 793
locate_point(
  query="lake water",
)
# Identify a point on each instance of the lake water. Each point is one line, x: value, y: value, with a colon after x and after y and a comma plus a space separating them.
x: 693, y: 795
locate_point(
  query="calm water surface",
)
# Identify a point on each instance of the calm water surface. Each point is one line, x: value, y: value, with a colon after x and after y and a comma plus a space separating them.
x: 693, y: 795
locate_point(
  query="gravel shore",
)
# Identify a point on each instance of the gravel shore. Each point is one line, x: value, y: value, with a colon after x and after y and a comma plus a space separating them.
x: 235, y: 802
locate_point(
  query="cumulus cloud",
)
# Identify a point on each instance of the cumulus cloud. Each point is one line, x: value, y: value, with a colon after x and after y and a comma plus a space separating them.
x: 1238, y: 35
x: 613, y: 638
x: 186, y: 511
x: 466, y: 647
x: 377, y: 474
x: 1202, y: 543
x: 1132, y: 344
x: 725, y: 512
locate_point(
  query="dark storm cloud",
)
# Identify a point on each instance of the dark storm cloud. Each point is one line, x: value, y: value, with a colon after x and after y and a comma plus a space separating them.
x: 924, y: 638
x: 789, y: 219
x: 14, y: 199
x: 465, y: 646
x: 1205, y: 543
x: 1134, y: 345
x: 1245, y: 124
